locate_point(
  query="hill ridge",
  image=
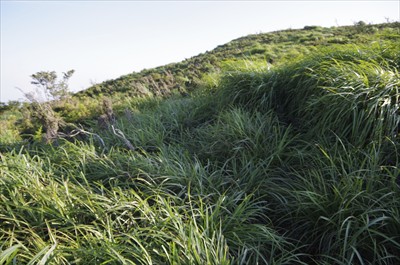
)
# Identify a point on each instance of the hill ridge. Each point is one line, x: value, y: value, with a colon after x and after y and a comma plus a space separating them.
x: 273, y: 47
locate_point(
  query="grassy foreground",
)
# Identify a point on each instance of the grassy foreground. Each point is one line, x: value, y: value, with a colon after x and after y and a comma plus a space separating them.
x: 297, y: 164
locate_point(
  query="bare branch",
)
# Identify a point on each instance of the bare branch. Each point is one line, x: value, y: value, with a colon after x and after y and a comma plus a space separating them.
x: 121, y: 135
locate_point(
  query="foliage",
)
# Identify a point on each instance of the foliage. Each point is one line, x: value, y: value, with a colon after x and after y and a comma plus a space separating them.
x: 41, y: 109
x: 48, y: 84
x: 290, y: 163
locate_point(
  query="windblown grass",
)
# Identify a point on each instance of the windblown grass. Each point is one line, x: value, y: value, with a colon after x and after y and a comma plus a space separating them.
x: 298, y: 164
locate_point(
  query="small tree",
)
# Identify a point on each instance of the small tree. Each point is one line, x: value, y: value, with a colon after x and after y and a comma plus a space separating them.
x: 53, y: 89
x: 41, y: 108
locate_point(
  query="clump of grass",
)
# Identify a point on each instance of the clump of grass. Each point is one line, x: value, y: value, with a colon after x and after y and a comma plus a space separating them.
x: 93, y: 208
x: 238, y: 133
x: 339, y: 91
x: 344, y: 106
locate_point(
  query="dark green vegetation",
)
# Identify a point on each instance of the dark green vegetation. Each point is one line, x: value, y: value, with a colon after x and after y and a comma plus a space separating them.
x: 291, y: 163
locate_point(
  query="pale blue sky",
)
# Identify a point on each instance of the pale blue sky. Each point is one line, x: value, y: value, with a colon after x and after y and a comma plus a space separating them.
x: 106, y: 39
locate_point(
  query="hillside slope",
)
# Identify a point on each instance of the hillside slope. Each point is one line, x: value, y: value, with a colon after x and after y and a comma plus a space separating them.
x: 298, y: 163
x: 273, y: 48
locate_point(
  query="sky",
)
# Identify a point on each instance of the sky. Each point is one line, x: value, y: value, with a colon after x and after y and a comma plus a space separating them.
x: 102, y: 40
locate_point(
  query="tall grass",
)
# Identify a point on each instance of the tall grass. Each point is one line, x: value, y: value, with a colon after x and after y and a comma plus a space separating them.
x: 335, y: 91
x: 297, y: 164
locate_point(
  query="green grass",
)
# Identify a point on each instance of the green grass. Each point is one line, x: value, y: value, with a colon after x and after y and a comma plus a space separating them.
x: 276, y: 48
x: 292, y: 164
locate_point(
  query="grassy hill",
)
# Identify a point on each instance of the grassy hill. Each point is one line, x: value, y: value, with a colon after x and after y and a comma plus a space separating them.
x: 276, y: 148
x: 273, y: 48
